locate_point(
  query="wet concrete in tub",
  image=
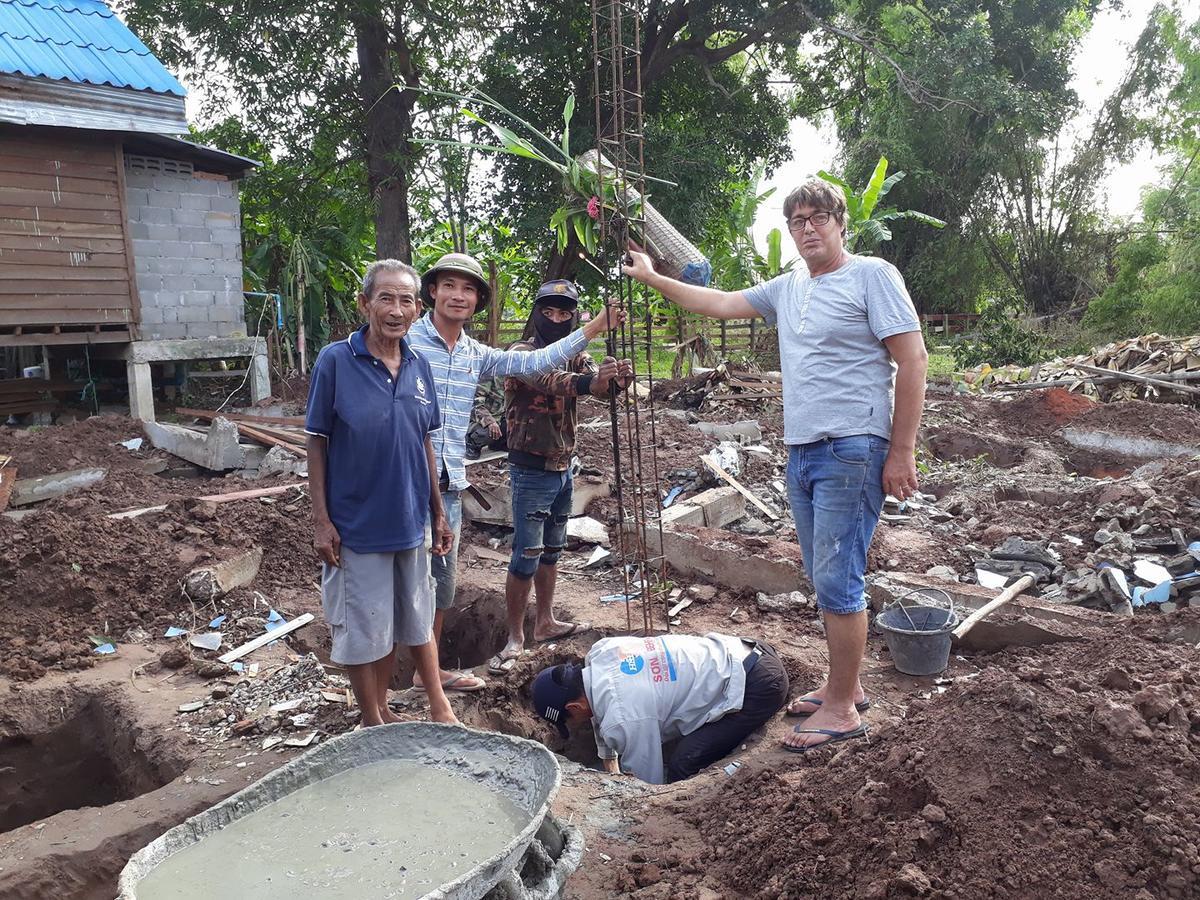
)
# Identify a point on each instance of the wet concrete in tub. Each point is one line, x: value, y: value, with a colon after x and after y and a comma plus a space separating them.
x: 394, y: 828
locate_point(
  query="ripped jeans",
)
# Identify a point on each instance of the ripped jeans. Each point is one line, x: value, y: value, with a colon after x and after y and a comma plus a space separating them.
x: 541, y: 503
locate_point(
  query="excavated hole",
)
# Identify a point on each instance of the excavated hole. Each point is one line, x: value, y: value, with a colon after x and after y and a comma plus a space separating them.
x: 88, y: 753
x: 950, y: 444
x: 474, y: 632
x: 1098, y: 465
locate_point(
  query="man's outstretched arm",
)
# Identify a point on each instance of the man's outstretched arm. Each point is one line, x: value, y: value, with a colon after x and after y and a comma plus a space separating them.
x: 705, y: 301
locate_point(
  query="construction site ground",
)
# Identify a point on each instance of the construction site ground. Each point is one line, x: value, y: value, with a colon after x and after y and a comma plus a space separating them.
x: 1059, y: 769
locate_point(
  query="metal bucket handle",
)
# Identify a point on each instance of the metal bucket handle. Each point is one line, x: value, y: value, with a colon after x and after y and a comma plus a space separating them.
x: 899, y: 602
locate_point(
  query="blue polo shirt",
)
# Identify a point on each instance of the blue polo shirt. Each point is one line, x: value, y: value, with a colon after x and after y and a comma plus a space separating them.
x: 377, y: 479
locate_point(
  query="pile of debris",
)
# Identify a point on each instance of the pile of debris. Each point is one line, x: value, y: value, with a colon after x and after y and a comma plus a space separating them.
x: 1149, y: 367
x: 277, y: 443
x: 292, y: 707
x: 725, y: 383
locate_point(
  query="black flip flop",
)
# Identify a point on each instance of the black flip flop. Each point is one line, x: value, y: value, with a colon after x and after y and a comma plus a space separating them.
x: 862, y: 706
x: 835, y: 737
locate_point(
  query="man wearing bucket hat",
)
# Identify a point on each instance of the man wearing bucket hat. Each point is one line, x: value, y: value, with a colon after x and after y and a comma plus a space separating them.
x: 854, y: 365
x: 540, y: 414
x: 706, y: 693
x: 453, y: 291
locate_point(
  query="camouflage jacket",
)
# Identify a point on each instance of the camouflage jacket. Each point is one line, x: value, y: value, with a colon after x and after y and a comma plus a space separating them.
x: 541, y: 415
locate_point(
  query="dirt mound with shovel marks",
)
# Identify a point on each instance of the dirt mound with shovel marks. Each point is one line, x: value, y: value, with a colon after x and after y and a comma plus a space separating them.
x: 1067, y: 772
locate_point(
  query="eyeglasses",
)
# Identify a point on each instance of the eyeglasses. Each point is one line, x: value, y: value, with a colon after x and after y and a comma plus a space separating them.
x: 797, y: 223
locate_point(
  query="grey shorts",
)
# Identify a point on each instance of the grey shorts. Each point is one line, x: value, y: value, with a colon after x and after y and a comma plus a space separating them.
x: 373, y: 601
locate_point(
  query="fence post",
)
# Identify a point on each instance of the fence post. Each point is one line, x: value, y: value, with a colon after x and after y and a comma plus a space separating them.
x: 724, y: 339
x: 946, y: 324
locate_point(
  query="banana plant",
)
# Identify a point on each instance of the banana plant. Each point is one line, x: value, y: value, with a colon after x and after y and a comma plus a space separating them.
x: 864, y: 220
x: 586, y: 197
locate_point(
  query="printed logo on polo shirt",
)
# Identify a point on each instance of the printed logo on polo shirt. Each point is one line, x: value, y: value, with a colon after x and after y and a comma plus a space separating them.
x: 632, y: 664
x: 420, y: 385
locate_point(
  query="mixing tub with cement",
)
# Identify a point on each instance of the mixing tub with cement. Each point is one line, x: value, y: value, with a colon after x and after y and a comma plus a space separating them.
x: 398, y: 811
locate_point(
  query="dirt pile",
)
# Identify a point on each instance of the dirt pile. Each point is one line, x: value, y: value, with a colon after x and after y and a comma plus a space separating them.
x: 1062, y: 773
x: 70, y: 572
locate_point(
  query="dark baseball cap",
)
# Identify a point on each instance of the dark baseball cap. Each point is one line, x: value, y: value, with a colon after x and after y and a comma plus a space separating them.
x: 560, y: 292
x: 553, y: 689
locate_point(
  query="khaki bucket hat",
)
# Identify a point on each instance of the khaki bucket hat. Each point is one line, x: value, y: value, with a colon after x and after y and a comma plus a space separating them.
x: 463, y: 265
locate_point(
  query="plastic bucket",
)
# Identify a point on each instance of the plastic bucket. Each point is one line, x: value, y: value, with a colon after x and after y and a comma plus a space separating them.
x: 918, y: 637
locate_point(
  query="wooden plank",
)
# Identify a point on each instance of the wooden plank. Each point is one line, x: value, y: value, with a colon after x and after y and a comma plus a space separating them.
x: 42, y: 166
x: 271, y: 441
x: 61, y: 258
x: 114, y: 316
x: 254, y: 492
x: 263, y: 639
x: 18, y: 142
x: 10, y: 271
x: 66, y: 338
x: 745, y: 492
x: 58, y: 199
x: 44, y: 287
x: 10, y: 386
x: 59, y: 243
x: 1140, y: 379
x: 209, y: 415
x: 49, y: 213
x: 41, y: 228
x: 64, y: 301
x: 17, y: 407
x: 59, y: 184
x: 135, y: 299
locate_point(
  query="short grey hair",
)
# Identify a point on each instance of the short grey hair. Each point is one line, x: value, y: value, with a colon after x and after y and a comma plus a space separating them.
x: 818, y: 193
x: 388, y: 265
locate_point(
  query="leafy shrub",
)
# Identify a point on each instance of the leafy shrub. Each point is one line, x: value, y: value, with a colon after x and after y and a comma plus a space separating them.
x: 1000, y: 338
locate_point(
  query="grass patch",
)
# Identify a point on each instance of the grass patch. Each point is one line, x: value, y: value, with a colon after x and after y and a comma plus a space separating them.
x: 941, y: 362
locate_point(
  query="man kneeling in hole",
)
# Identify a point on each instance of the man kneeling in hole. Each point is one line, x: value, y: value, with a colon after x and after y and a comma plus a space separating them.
x: 707, y: 694
x: 540, y: 413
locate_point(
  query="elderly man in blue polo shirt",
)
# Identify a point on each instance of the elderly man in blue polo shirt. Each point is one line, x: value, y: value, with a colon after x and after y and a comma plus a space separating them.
x: 454, y: 290
x: 373, y: 479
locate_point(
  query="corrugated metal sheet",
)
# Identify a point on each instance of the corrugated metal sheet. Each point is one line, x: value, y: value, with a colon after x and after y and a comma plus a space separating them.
x: 79, y: 41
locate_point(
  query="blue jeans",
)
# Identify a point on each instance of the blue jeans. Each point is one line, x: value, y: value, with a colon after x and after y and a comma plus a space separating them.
x: 444, y: 569
x: 541, y: 506
x: 836, y: 489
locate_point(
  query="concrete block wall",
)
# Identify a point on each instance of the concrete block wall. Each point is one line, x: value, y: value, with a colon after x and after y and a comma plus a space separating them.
x: 187, y: 251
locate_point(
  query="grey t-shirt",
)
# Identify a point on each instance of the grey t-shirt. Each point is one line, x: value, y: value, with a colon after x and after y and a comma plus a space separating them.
x: 838, y: 377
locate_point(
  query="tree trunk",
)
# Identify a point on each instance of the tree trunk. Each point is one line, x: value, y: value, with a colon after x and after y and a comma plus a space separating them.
x: 388, y: 129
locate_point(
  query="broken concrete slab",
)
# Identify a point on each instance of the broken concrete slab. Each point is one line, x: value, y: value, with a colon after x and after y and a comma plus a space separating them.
x: 746, y: 432
x: 587, y: 530
x: 217, y: 449
x: 714, y: 508
x: 498, y: 508
x: 208, y: 582
x: 1027, y: 621
x: 279, y: 461
x: 1126, y: 445
x: 585, y: 489
x: 47, y: 487
x: 760, y: 564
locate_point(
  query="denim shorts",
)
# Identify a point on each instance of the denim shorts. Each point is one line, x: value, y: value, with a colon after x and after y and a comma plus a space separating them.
x: 836, y: 490
x: 541, y: 502
x: 444, y: 569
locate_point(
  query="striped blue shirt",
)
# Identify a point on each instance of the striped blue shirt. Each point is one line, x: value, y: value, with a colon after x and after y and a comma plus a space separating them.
x: 456, y: 376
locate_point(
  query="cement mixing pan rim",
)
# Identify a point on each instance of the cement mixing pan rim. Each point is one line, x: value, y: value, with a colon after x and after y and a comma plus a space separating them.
x: 524, y: 771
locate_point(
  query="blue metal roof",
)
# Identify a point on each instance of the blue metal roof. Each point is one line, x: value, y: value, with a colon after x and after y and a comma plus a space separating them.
x: 79, y: 41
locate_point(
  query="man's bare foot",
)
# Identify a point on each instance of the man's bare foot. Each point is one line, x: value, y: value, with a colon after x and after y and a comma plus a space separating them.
x: 555, y: 630
x: 368, y: 721
x: 387, y: 716
x: 444, y: 715
x: 826, y: 719
x: 801, y: 706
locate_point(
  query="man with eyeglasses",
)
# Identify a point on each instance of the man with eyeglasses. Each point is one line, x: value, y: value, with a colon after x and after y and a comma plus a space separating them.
x: 854, y: 366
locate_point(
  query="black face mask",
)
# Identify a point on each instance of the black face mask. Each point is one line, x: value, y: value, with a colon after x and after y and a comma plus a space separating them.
x: 549, y: 332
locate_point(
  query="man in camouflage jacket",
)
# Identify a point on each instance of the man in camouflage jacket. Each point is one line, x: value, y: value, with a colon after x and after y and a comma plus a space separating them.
x: 540, y: 413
